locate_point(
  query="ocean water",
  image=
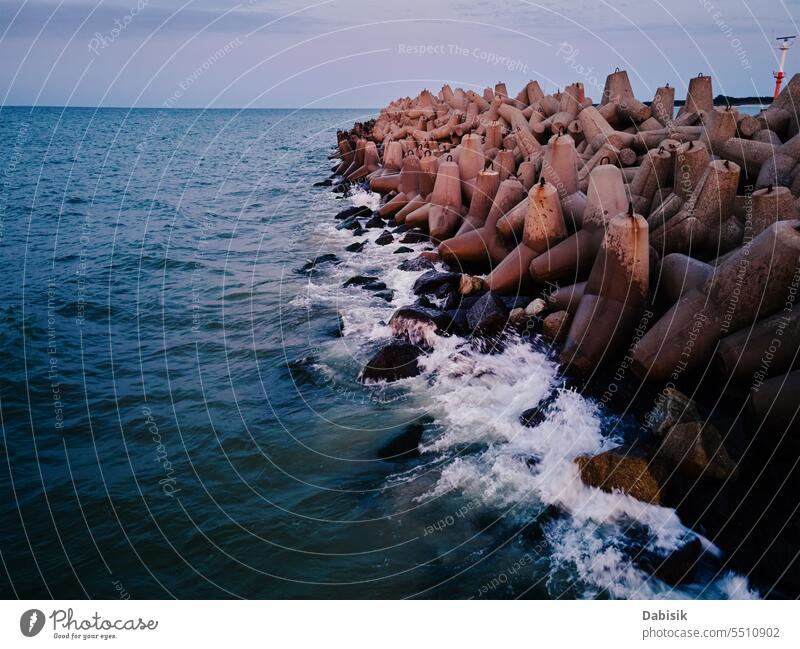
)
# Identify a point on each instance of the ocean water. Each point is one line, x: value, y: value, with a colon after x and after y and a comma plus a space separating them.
x: 180, y: 410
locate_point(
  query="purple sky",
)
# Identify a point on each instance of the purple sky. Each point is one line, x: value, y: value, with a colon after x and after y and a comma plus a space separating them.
x: 316, y: 53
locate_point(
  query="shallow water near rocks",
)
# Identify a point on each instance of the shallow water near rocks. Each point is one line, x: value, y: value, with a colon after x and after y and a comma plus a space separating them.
x: 181, y: 414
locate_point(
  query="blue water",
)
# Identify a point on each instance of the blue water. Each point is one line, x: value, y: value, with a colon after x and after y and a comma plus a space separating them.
x: 180, y: 410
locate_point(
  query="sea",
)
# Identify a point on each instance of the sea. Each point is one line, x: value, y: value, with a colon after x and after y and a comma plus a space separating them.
x: 179, y: 396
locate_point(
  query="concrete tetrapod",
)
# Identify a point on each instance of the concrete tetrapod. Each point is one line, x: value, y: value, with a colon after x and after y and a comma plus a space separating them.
x: 544, y: 227
x: 751, y: 283
x: 614, y: 296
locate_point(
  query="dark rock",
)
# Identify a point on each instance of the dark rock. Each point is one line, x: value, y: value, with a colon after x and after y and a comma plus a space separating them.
x: 374, y: 285
x: 412, y: 319
x: 375, y: 222
x: 433, y: 279
x: 387, y: 295
x: 363, y: 210
x: 359, y: 231
x: 625, y: 469
x: 488, y: 314
x: 676, y: 567
x: 359, y: 280
x: 532, y: 417
x: 358, y: 246
x: 405, y: 445
x: 397, y: 360
x: 312, y: 265
x: 390, y: 222
x: 403, y: 249
x: 324, y: 183
x: 415, y: 264
x: 341, y: 188
x: 415, y: 236
x: 385, y: 239
x: 672, y: 407
x: 696, y: 449
x: 459, y: 325
x: 515, y: 301
x: 350, y: 223
x: 400, y: 229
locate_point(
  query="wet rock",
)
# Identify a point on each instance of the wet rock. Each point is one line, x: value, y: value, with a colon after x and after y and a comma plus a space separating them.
x: 359, y: 280
x: 387, y: 295
x: 532, y: 417
x: 358, y: 246
x: 359, y: 232
x: 396, y: 360
x: 418, y: 323
x: 696, y: 449
x: 556, y: 325
x: 312, y: 265
x: 469, y: 285
x: 674, y: 568
x: 374, y: 285
x: 354, y: 211
x: 488, y: 314
x: 402, y: 250
x: 400, y: 229
x: 405, y: 445
x: 433, y: 279
x: 416, y: 264
x: 350, y: 223
x: 385, y: 239
x: 415, y: 236
x: 459, y: 325
x: 672, y: 407
x: 324, y: 183
x: 624, y: 469
x: 390, y: 222
x: 375, y: 222
x: 515, y: 301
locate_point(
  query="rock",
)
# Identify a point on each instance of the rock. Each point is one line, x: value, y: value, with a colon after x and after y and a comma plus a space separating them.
x: 433, y: 279
x: 405, y: 445
x: 391, y: 223
x: 385, y: 239
x: 556, y: 325
x: 402, y: 250
x: 415, y: 264
x: 697, y: 451
x: 418, y: 323
x: 358, y: 246
x: 359, y: 232
x: 324, y: 183
x: 676, y: 567
x: 415, y: 236
x: 387, y: 295
x: 487, y: 315
x: 535, y: 307
x: 400, y: 229
x: 517, y: 316
x: 375, y: 222
x: 430, y: 255
x: 622, y: 469
x: 374, y: 286
x: 469, y: 285
x: 532, y: 417
x: 515, y: 301
x: 312, y: 265
x: 354, y: 211
x: 350, y: 223
x: 672, y: 407
x: 397, y: 360
x: 359, y: 280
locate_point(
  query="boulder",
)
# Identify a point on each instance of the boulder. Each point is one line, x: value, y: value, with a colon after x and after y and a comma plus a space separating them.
x: 624, y: 469
x: 487, y: 315
x: 696, y: 450
x: 359, y: 280
x: 556, y: 325
x: 387, y: 295
x: 415, y: 236
x: 396, y: 360
x: 354, y: 211
x: 417, y: 323
x: 358, y: 246
x: 402, y: 250
x: 311, y: 266
x: 415, y: 264
x: 674, y: 568
x: 433, y: 279
x: 350, y: 223
x: 374, y: 285
x: 385, y: 238
x: 375, y: 222
x: 672, y: 407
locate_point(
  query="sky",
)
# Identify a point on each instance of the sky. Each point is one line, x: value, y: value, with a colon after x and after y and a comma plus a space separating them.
x: 353, y: 53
